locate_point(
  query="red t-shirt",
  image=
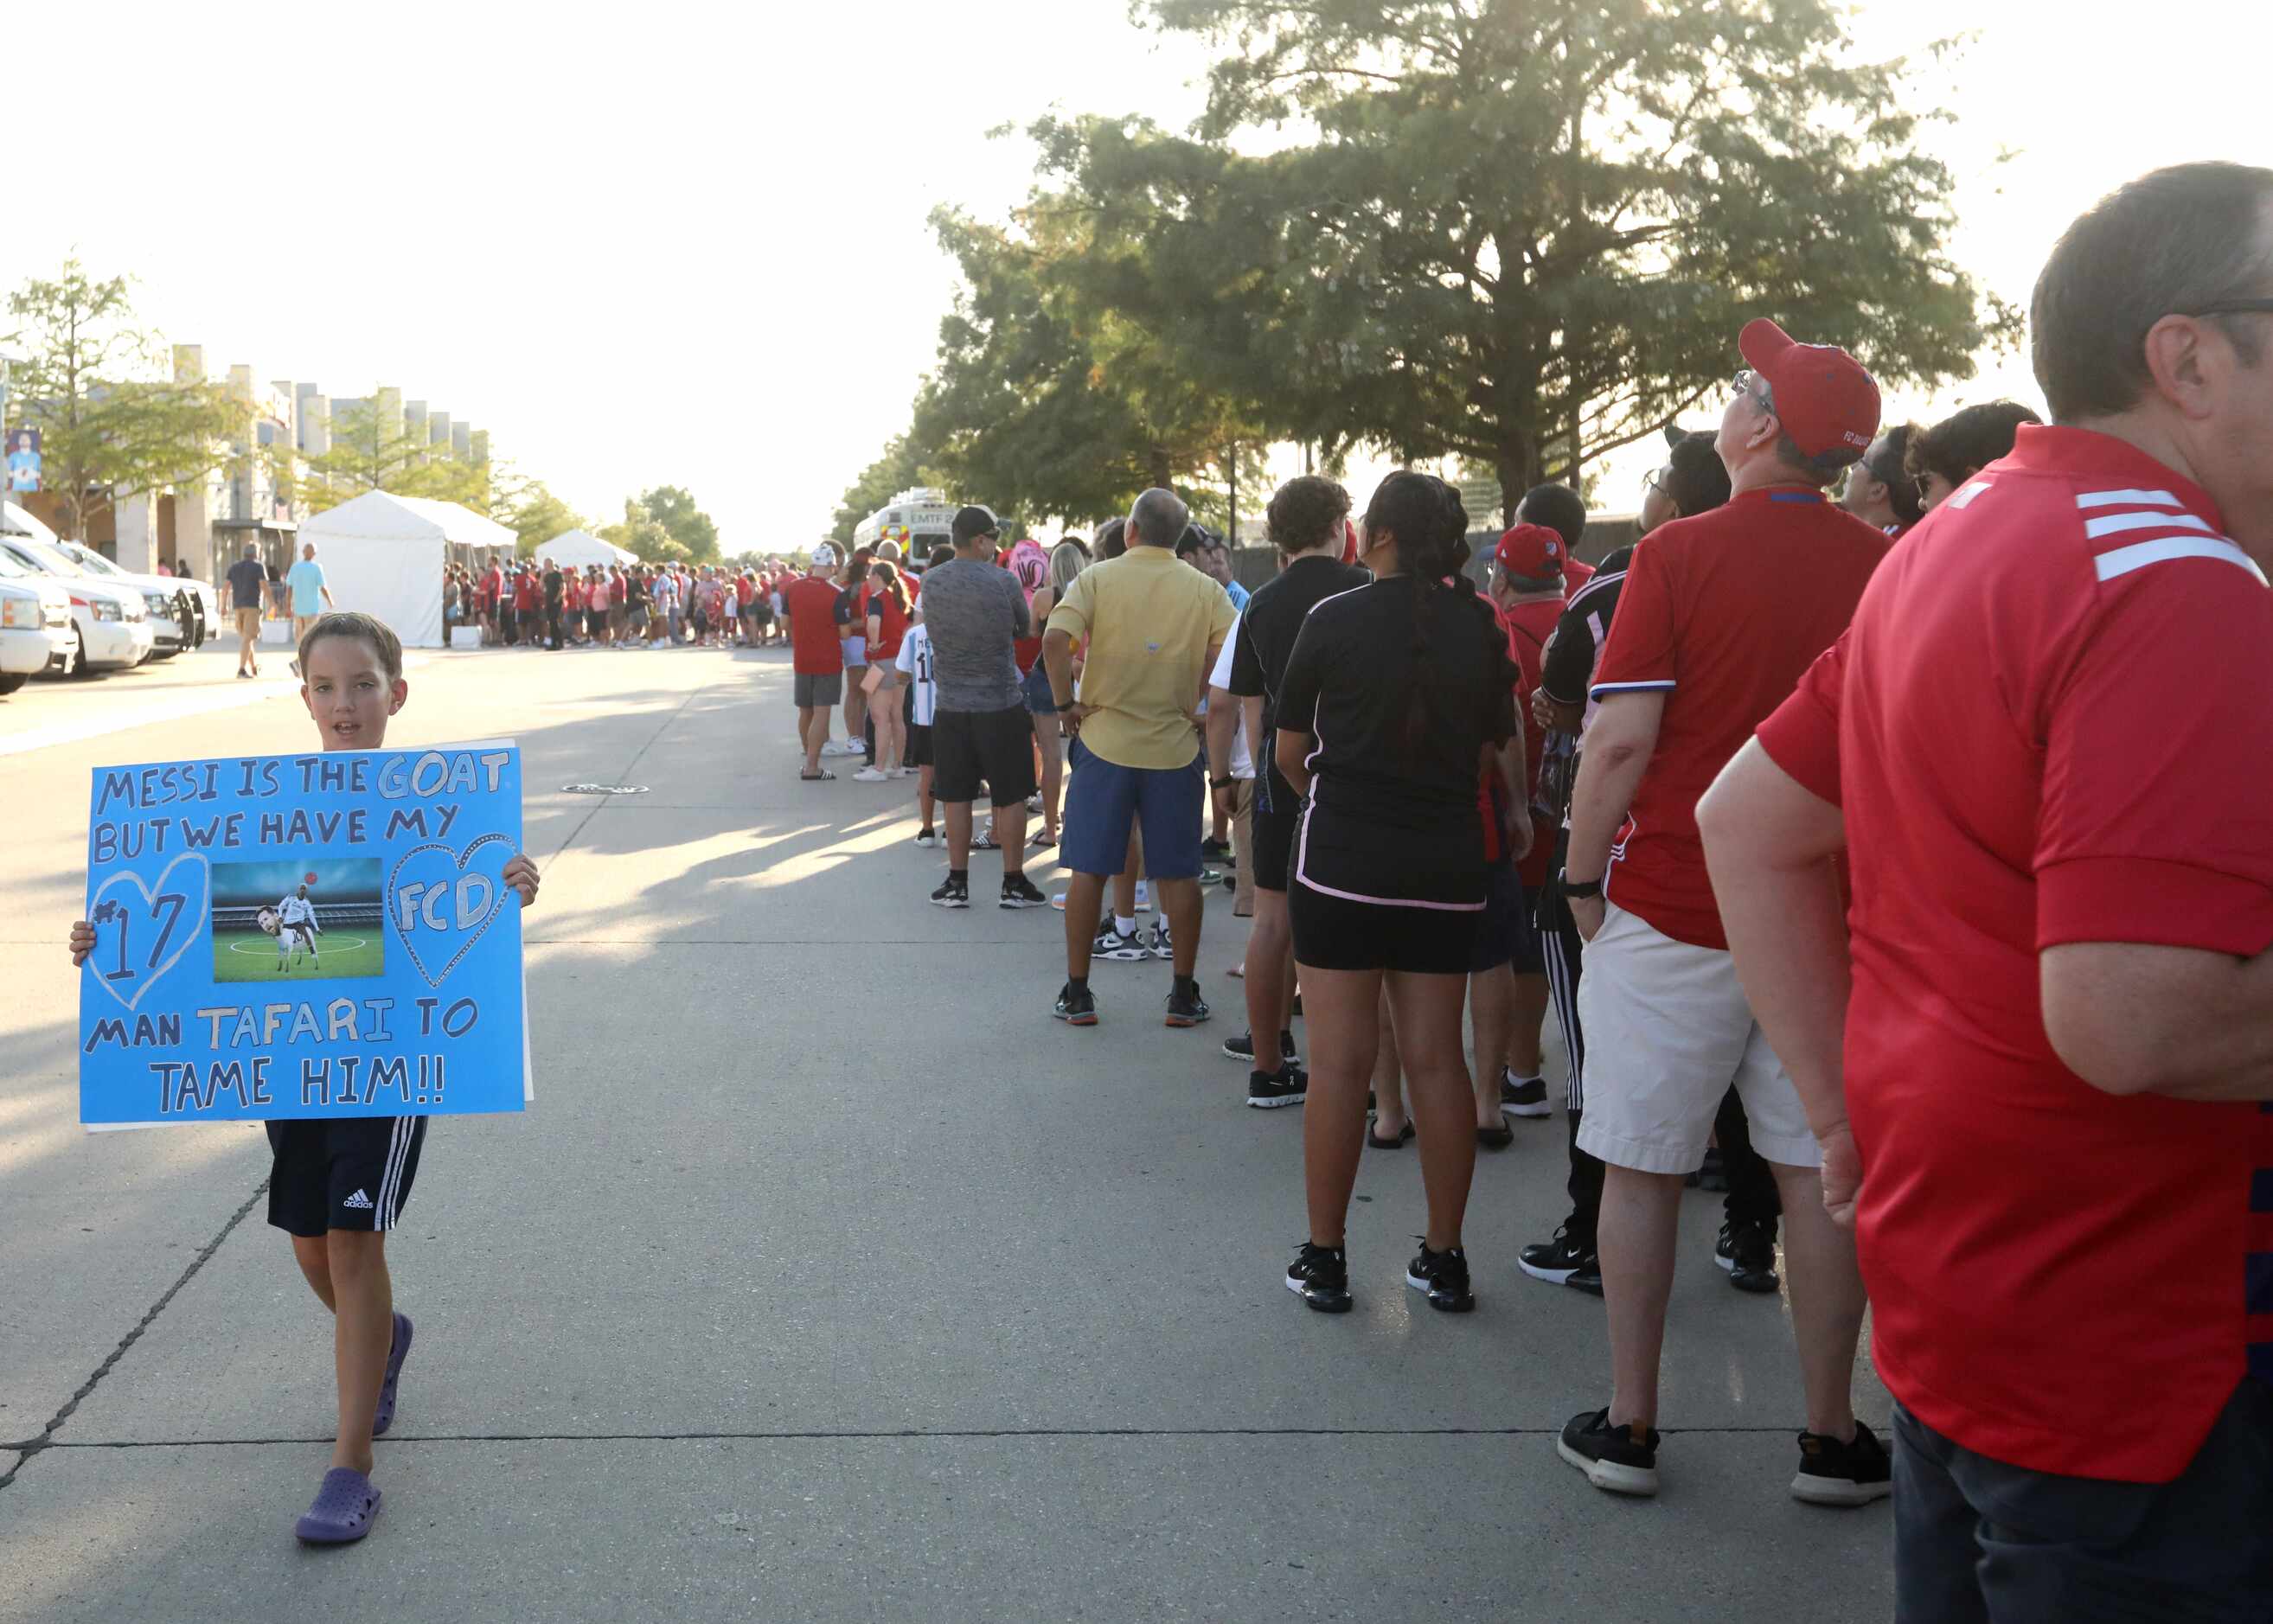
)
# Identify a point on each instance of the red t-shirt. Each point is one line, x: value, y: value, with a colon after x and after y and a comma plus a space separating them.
x: 1722, y: 613
x: 2049, y: 725
x: 1575, y: 575
x: 814, y: 650
x: 744, y: 592
x: 525, y: 595
x: 892, y: 623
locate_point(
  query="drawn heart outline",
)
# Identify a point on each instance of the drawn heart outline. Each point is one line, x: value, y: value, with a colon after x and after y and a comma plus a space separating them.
x: 198, y: 910
x: 473, y: 934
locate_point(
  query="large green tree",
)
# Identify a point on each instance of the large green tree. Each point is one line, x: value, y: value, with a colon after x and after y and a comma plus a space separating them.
x: 1059, y: 385
x: 1525, y: 232
x: 112, y: 419
x: 673, y: 507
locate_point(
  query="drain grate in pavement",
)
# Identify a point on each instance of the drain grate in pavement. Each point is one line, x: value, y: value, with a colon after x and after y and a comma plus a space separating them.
x: 604, y: 789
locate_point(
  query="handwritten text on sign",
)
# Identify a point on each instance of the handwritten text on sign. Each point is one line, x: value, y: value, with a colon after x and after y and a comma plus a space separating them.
x: 304, y: 936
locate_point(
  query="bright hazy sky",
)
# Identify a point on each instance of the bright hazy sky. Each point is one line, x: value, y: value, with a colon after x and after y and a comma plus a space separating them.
x: 683, y: 243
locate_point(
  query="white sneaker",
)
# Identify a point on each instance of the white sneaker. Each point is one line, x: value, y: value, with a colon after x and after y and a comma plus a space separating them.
x: 870, y: 776
x: 843, y: 747
x: 1144, y: 898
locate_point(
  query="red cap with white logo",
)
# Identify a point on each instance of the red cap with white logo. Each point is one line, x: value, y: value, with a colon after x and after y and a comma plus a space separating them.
x: 1824, y: 399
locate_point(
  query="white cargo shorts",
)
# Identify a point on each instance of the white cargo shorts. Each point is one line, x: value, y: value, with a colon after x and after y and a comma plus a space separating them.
x: 1668, y: 1032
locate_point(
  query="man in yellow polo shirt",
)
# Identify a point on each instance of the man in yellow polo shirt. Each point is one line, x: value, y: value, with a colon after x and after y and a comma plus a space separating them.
x: 1152, y: 629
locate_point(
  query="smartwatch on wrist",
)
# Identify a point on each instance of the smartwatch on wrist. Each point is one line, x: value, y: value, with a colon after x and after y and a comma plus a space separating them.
x: 1587, y: 892
x: 1221, y: 783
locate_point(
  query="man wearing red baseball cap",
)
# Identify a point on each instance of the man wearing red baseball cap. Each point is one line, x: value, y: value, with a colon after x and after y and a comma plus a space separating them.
x: 1529, y: 581
x: 1699, y: 655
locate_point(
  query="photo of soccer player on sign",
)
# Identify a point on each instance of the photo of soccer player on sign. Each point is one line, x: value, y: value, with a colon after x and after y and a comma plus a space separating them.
x: 297, y: 919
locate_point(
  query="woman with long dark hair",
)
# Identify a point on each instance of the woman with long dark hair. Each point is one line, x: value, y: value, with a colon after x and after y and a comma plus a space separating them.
x: 891, y: 610
x: 1397, y: 695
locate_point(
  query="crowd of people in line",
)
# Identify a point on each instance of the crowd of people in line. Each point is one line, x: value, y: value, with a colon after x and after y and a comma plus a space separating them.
x: 541, y: 603
x: 1880, y: 857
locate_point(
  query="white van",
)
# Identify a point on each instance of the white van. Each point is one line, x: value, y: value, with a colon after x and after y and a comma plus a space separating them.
x: 35, y: 624
x: 111, y: 625
x: 184, y: 611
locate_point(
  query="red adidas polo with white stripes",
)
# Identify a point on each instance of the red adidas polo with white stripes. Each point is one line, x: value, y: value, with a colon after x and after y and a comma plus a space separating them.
x: 2050, y: 724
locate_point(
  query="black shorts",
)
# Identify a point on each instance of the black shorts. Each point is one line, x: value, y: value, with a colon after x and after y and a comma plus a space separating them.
x: 342, y: 1172
x: 1331, y: 933
x: 997, y: 746
x: 1274, y: 847
x: 1504, y: 917
x: 1530, y: 946
x: 919, y: 743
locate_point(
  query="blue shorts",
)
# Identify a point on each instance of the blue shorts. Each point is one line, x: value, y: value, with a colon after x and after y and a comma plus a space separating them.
x: 1102, y: 800
x: 1036, y: 683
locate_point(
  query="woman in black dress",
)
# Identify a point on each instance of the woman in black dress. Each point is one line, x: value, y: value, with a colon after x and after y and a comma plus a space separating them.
x: 1398, y: 696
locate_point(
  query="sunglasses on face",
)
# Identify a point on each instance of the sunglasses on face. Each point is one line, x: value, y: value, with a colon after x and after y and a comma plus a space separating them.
x: 1741, y: 386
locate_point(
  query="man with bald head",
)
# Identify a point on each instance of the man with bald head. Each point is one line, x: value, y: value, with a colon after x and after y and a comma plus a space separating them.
x: 1150, y: 631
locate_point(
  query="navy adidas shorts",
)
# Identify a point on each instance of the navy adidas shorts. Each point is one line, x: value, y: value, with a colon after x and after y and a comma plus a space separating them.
x: 342, y: 1172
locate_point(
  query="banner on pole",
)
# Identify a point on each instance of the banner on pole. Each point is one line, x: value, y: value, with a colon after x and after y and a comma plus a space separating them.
x: 320, y: 935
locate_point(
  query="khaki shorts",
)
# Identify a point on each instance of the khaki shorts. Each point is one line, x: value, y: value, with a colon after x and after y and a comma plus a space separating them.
x: 248, y: 623
x: 1242, y: 848
x: 1668, y: 1032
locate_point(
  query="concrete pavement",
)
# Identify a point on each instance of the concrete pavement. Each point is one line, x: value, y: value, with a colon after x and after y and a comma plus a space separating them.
x: 828, y: 1278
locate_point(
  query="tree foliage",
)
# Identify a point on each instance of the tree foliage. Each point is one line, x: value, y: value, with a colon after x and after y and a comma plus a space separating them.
x: 1061, y: 384
x: 1525, y: 232
x: 113, y: 420
x: 530, y: 510
x: 901, y: 466
x: 642, y: 533
x: 372, y: 449
x: 673, y: 507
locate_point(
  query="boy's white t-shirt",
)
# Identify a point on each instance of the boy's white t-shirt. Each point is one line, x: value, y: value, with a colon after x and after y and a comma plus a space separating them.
x: 1243, y: 763
x: 915, y: 659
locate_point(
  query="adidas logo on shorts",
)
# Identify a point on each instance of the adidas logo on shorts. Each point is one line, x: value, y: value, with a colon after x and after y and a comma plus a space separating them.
x: 358, y: 1200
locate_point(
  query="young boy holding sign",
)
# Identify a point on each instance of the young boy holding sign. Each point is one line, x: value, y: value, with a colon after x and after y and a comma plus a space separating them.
x: 339, y: 1183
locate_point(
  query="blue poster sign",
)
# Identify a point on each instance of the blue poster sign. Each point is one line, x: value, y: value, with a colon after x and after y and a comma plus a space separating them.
x: 319, y: 935
x: 23, y: 458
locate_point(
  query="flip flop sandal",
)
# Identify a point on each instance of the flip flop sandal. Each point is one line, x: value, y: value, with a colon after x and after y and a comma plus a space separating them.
x: 1397, y: 1144
x: 345, y: 1507
x: 814, y: 778
x: 1043, y: 840
x: 1237, y: 972
x: 384, y: 1417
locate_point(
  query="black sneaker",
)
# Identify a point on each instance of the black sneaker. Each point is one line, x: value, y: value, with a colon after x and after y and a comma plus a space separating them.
x: 1243, y: 1048
x: 1111, y: 944
x: 1157, y: 940
x: 1320, y: 1277
x: 1587, y: 1277
x: 953, y: 893
x: 1214, y: 850
x: 1290, y: 1085
x: 1747, y: 1251
x: 1831, y: 1473
x: 1018, y: 891
x: 1076, y: 1006
x: 1185, y: 1005
x: 1445, y: 1276
x: 1556, y: 1261
x: 1611, y: 1456
x: 1526, y: 1098
x: 1713, y: 1175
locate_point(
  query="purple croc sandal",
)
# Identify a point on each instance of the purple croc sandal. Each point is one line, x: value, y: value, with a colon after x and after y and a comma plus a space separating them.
x: 345, y: 1508
x: 399, y: 1351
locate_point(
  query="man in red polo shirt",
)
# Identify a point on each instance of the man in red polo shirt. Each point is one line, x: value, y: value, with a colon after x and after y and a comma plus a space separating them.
x: 2051, y: 1027
x: 1719, y: 615
x: 816, y: 654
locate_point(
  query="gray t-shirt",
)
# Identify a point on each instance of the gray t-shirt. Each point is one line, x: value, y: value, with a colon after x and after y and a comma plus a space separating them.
x: 975, y: 611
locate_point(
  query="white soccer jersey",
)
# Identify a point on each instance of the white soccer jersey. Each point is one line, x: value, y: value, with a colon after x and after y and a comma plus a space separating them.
x: 296, y: 910
x: 915, y: 659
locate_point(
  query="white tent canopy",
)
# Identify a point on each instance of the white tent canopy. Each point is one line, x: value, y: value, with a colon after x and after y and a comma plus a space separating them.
x: 579, y: 548
x: 384, y: 555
